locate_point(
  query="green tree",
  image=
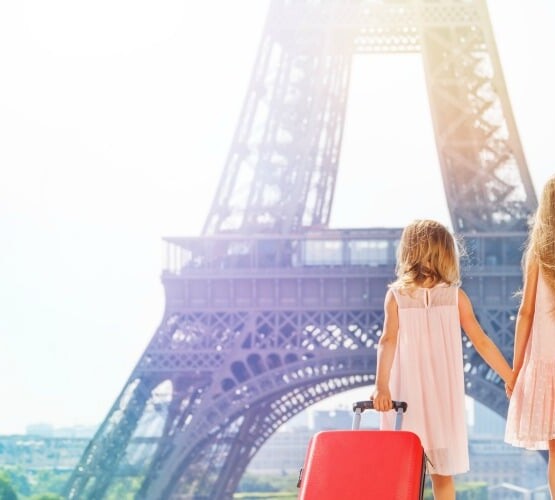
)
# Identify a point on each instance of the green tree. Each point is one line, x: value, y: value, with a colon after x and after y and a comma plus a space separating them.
x: 123, y: 488
x: 250, y: 483
x: 6, y: 489
x: 48, y: 481
x: 18, y: 478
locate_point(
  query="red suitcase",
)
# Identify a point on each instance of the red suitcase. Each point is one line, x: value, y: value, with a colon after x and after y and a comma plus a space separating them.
x: 362, y: 464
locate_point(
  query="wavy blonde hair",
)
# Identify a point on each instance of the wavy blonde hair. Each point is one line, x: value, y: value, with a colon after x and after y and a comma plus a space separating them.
x: 427, y: 253
x: 541, y: 242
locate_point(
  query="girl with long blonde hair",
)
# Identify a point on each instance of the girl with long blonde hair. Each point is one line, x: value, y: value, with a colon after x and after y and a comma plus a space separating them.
x: 531, y: 415
x: 420, y: 357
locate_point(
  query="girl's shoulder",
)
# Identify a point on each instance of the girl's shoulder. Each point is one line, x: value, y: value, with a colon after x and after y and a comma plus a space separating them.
x: 400, y: 290
x: 420, y: 296
x: 405, y: 290
x: 447, y: 289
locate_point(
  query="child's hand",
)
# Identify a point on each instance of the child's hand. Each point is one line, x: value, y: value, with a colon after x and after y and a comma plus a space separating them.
x: 509, y: 385
x: 382, y: 400
x: 508, y: 390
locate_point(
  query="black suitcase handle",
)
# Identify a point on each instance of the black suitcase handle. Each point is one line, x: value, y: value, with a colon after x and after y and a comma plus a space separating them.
x: 369, y: 405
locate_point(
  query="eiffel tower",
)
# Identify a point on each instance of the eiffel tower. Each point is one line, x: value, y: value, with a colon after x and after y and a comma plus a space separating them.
x: 270, y: 311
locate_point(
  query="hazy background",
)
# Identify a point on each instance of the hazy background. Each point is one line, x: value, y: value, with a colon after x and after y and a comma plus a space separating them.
x: 115, y: 121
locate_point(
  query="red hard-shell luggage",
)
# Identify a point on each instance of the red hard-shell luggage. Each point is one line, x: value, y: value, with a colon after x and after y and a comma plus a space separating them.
x: 364, y: 464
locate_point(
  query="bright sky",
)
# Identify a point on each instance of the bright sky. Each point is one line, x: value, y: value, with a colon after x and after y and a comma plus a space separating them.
x: 115, y: 121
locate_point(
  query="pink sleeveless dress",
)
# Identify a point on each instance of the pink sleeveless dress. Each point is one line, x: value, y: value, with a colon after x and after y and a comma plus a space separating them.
x: 531, y: 415
x: 427, y: 373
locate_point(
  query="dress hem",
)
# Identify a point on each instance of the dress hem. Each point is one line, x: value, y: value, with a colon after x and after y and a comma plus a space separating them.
x: 455, y: 473
x: 530, y: 444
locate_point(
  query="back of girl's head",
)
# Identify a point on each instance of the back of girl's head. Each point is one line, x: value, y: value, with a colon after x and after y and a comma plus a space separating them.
x: 542, y: 236
x: 427, y: 254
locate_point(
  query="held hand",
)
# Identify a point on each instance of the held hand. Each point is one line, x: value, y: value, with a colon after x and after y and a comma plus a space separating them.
x: 508, y: 391
x: 509, y: 385
x: 382, y: 400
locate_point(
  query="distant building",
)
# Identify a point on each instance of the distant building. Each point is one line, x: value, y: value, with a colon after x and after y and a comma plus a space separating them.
x: 76, y: 431
x: 45, y: 447
x: 37, y: 452
x: 283, y: 453
x: 41, y: 429
x: 48, y: 430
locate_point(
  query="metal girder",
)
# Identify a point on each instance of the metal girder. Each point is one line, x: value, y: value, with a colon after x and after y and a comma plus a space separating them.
x: 282, y: 166
x: 96, y: 469
x: 485, y: 176
x: 280, y: 172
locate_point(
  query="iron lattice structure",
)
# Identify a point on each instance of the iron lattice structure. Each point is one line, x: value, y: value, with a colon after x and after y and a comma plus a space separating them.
x: 270, y: 311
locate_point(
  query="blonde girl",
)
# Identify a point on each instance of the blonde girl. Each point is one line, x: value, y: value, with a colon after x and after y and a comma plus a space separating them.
x: 531, y: 415
x: 420, y: 357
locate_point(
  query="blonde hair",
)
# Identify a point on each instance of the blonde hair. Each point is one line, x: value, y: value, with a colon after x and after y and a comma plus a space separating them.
x: 541, y: 242
x: 427, y: 253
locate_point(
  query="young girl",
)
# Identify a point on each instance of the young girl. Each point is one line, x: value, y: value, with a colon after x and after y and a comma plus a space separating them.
x: 420, y: 357
x: 531, y: 415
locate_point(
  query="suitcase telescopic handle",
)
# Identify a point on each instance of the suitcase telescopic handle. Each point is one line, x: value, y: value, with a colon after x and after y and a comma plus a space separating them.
x: 399, y: 406
x: 369, y: 405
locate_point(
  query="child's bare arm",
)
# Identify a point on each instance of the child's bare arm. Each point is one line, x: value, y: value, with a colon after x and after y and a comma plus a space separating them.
x: 482, y: 343
x: 526, y: 311
x: 386, y: 353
